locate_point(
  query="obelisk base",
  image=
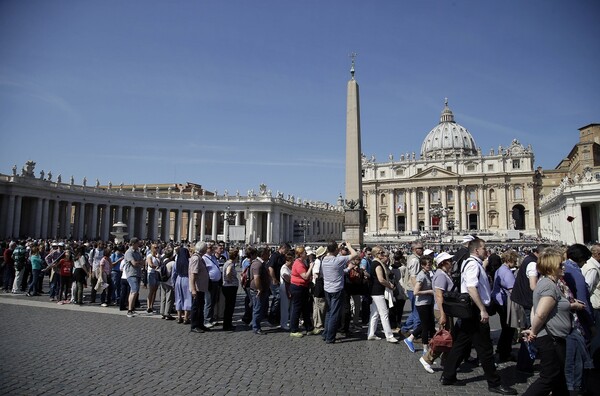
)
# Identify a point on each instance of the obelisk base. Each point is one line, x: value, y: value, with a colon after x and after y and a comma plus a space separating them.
x: 353, y: 233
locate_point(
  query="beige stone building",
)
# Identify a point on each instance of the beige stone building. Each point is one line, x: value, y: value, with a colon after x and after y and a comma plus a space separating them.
x: 572, y: 191
x: 451, y: 185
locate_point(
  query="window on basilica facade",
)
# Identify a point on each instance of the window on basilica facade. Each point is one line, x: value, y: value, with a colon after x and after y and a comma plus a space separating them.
x: 518, y: 193
x: 383, y: 200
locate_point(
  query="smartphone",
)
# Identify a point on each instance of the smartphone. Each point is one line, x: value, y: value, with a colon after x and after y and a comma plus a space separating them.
x: 580, y: 302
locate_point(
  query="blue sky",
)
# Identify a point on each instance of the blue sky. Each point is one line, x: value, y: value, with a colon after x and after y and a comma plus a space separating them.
x: 231, y: 94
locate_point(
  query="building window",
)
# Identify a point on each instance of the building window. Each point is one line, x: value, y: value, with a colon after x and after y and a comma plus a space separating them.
x: 383, y: 200
x: 382, y: 173
x: 492, y: 194
x: 471, y: 194
x: 420, y: 197
x: 470, y: 168
x: 435, y: 196
x: 490, y: 167
x: 399, y: 172
x: 516, y: 164
x: 450, y: 195
x: 419, y: 170
x: 518, y: 193
x: 449, y: 168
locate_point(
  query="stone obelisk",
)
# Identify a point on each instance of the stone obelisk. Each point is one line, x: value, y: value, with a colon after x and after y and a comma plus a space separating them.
x: 353, y: 204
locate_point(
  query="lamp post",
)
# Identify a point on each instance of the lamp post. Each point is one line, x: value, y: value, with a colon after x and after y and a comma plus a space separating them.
x: 228, y: 216
x: 438, y: 210
x: 303, y: 225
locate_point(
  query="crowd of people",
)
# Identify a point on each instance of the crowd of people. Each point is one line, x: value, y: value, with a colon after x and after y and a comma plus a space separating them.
x: 548, y: 299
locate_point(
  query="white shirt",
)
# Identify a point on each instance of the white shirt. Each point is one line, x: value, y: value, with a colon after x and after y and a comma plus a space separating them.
x: 531, y: 270
x: 590, y: 272
x: 474, y: 275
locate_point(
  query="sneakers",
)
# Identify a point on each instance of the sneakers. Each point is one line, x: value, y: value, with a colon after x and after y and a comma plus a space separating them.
x: 393, y: 340
x: 130, y: 314
x: 297, y: 334
x: 426, y: 366
x: 104, y: 305
x: 317, y: 331
x: 410, y: 345
x: 209, y: 325
x: 373, y: 338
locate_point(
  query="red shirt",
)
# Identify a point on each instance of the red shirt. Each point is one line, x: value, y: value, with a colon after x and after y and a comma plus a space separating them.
x: 299, y: 267
x: 65, y: 267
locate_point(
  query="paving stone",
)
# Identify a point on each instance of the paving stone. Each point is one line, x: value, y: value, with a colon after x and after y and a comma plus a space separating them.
x: 73, y: 350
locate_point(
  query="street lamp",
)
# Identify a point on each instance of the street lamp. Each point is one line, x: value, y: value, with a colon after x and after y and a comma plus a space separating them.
x: 228, y: 216
x: 438, y: 210
x: 303, y: 225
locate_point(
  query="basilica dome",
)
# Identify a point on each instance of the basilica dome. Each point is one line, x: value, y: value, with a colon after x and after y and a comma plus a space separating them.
x: 448, y: 139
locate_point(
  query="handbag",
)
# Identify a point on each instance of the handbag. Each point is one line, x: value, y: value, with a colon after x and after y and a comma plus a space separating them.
x: 319, y: 288
x: 441, y: 341
x: 457, y: 305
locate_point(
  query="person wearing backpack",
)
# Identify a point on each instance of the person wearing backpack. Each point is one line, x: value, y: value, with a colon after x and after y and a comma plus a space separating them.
x: 167, y: 291
x: 476, y: 329
x: 19, y: 257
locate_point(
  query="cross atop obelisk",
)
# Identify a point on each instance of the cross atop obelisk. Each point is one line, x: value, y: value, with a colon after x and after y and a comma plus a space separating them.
x: 354, y: 218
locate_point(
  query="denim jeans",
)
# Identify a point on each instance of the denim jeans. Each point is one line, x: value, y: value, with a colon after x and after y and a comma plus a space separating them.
x: 274, y: 309
x: 413, y: 321
x: 334, y: 302
x: 210, y: 300
x: 34, y: 281
x: 115, y: 276
x: 577, y: 359
x: 259, y: 305
x: 55, y: 285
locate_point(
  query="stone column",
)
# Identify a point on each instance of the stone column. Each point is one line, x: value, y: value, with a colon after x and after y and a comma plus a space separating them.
x: 214, y: 225
x: 269, y: 227
x: 250, y: 232
x: 133, y: 231
x: 503, y: 220
x: 177, y: 227
x: 10, y: 219
x: 392, y: 226
x: 38, y: 218
x: 415, y: 210
x: 119, y: 215
x: 67, y: 219
x: 17, y: 219
x: 426, y: 209
x: 192, y: 226
x: 444, y: 196
x: 54, y: 225
x: 238, y: 218
x: 80, y: 215
x: 463, y: 210
x: 166, y: 225
x: 105, y: 233
x: 203, y: 225
x: 93, y: 230
x: 457, y: 211
x: 482, y: 209
x: 408, y: 209
x: 45, y: 214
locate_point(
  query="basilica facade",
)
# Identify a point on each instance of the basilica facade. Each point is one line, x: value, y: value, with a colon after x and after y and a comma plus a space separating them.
x: 451, y: 185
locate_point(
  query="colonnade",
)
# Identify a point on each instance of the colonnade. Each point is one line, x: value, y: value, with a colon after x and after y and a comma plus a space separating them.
x: 43, y: 209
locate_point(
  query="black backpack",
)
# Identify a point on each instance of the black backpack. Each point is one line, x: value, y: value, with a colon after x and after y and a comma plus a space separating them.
x: 163, y: 272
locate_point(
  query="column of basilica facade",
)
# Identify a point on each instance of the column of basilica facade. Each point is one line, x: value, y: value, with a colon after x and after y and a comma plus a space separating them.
x: 40, y: 208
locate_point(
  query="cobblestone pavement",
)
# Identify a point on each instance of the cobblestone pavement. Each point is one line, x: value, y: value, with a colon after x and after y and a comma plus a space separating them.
x: 50, y: 349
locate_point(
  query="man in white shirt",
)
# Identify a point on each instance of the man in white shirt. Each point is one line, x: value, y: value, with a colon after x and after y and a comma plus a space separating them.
x: 476, y: 329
